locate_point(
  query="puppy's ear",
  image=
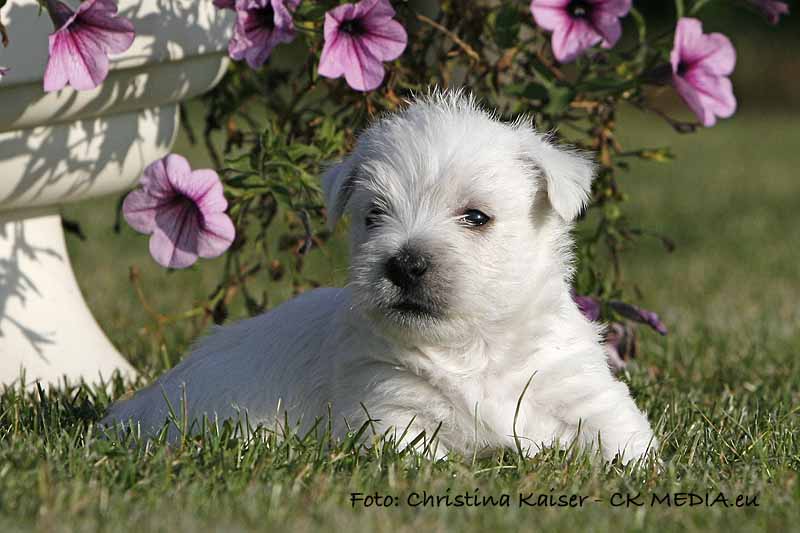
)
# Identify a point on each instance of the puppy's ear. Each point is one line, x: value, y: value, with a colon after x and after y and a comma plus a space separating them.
x: 337, y: 186
x: 567, y: 174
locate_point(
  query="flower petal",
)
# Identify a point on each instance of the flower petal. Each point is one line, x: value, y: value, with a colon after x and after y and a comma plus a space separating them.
x: 158, y: 176
x: 714, y: 51
x: 254, y: 38
x: 373, y: 10
x: 56, y: 73
x: 359, y: 55
x: 550, y: 14
x: 692, y: 99
x: 61, y: 14
x: 139, y: 210
x: 336, y: 16
x: 216, y: 235
x: 589, y: 306
x: 283, y: 12
x: 620, y: 344
x: 115, y: 33
x: 175, y: 235
x: 79, y: 47
x: 608, y: 25
x: 771, y: 9
x: 385, y: 41
x: 715, y: 92
x: 204, y: 188
x: 76, y: 60
x: 617, y: 8
x: 263, y: 44
x: 334, y: 56
x: 177, y: 169
x: 700, y: 66
x: 638, y: 314
x: 721, y: 60
x: 570, y: 41
x: 688, y: 33
x: 238, y: 44
x: 364, y: 71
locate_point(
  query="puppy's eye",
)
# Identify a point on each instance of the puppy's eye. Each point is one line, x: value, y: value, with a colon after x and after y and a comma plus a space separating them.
x: 374, y: 216
x: 474, y: 218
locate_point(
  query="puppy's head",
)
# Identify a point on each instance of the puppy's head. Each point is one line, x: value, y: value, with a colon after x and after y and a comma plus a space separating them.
x: 458, y: 219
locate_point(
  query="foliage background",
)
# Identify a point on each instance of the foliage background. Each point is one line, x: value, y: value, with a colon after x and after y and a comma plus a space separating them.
x: 765, y: 83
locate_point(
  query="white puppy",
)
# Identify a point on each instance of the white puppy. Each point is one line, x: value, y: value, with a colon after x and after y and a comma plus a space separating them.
x: 459, y: 295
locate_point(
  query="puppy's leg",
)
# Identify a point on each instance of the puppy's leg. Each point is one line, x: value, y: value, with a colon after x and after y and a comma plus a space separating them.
x: 415, y: 431
x: 602, y: 408
x: 398, y: 404
x: 405, y: 427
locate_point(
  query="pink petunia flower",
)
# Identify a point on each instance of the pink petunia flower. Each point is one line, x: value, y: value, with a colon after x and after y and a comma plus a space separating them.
x: 184, y: 210
x: 580, y: 24
x: 358, y: 39
x: 260, y: 26
x: 83, y: 39
x: 771, y: 9
x: 701, y: 64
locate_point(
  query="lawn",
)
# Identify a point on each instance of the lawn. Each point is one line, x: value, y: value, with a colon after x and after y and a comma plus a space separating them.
x: 722, y: 390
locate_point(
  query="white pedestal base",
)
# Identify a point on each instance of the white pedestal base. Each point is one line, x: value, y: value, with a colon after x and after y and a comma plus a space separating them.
x: 70, y: 145
x: 46, y: 329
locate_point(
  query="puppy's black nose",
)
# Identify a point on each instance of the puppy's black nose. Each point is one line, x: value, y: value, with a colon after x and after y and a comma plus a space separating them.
x: 406, y: 268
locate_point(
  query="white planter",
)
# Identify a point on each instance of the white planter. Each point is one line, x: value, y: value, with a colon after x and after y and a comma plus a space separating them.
x: 68, y: 146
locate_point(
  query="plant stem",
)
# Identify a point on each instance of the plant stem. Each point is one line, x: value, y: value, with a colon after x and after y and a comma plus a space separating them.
x: 679, y: 8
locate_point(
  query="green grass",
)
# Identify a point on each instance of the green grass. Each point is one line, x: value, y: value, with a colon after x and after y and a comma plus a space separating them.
x: 722, y: 390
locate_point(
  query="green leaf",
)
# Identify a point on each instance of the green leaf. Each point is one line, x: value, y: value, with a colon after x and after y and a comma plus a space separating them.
x: 282, y: 194
x: 506, y: 26
x: 531, y: 91
x: 298, y: 151
x: 311, y: 11
x: 542, y: 72
x: 559, y: 98
x: 606, y: 85
x: 246, y: 181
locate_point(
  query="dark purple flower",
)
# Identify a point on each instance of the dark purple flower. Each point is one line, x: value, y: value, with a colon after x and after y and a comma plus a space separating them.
x: 83, y: 39
x: 358, y: 39
x: 637, y: 314
x: 580, y: 24
x: 620, y: 338
x: 184, y: 210
x: 225, y: 4
x: 589, y: 306
x: 261, y: 25
x: 701, y: 64
x: 772, y: 9
x: 620, y: 344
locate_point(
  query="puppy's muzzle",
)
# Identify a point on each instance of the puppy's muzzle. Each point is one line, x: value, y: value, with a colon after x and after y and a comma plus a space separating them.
x: 407, y: 268
x: 415, y: 286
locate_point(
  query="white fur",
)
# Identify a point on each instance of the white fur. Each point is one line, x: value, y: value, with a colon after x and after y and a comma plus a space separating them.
x: 504, y: 289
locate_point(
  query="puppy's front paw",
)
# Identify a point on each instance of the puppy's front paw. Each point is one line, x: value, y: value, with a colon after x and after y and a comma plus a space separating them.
x: 636, y: 447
